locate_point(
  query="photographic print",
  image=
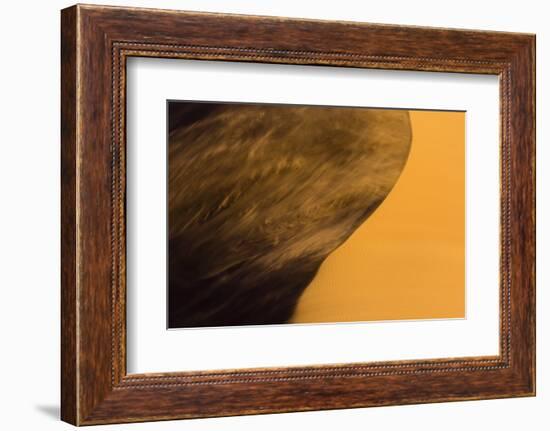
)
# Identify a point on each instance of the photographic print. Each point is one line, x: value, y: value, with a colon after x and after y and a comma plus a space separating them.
x: 307, y: 214
x: 292, y: 219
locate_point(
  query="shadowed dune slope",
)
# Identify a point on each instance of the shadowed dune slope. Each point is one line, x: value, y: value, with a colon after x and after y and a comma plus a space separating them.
x: 260, y: 195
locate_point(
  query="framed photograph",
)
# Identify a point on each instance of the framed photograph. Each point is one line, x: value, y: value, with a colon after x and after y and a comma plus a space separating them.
x: 264, y: 214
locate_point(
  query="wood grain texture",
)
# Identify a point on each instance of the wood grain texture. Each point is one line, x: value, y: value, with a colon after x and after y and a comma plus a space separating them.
x: 95, y: 44
x: 69, y: 397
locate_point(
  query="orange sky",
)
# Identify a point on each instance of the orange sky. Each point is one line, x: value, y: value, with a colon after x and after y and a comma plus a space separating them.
x: 407, y: 261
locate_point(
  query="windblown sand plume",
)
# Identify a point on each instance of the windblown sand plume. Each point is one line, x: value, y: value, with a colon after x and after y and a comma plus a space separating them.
x: 260, y: 195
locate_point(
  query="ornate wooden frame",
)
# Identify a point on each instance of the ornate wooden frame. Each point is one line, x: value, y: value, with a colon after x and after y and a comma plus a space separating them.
x: 95, y: 43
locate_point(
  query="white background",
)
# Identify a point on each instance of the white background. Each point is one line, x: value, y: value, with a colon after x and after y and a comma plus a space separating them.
x: 29, y: 228
x: 151, y: 348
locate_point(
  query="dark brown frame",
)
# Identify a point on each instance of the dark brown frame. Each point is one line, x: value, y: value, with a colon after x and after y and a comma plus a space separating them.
x: 95, y: 43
